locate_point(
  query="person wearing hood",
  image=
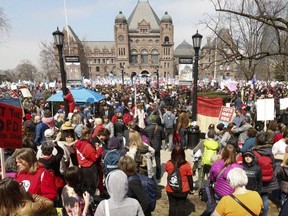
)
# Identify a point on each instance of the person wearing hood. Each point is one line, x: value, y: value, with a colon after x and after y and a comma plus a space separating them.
x: 253, y: 171
x: 118, y: 203
x: 87, y: 155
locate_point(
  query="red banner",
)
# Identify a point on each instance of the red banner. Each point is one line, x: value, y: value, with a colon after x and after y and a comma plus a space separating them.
x: 10, y: 126
x: 209, y: 106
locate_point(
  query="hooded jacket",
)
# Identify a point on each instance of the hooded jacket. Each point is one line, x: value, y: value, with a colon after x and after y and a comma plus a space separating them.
x: 253, y: 172
x: 119, y: 203
x: 86, y: 153
x: 210, y: 149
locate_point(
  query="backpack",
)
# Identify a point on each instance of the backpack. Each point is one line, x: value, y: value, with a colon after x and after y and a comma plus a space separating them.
x: 140, y: 158
x: 169, y: 120
x: 174, y: 180
x: 150, y: 188
x: 266, y: 164
x: 111, y: 161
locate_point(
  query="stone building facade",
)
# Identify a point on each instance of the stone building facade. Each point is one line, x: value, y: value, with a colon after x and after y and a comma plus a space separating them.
x: 143, y: 44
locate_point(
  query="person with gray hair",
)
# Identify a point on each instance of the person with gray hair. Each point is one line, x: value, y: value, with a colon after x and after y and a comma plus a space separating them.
x: 239, y: 203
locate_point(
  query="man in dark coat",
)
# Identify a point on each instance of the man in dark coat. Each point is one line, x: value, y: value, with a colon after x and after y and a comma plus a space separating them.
x: 156, y: 134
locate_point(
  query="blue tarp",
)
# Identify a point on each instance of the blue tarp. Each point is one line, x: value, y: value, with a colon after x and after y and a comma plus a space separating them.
x: 80, y: 95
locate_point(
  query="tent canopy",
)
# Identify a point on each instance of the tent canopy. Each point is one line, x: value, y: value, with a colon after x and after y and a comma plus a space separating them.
x: 80, y: 95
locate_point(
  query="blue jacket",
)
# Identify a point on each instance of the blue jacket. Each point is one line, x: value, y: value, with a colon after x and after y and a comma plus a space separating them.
x: 39, y: 133
x: 248, y: 144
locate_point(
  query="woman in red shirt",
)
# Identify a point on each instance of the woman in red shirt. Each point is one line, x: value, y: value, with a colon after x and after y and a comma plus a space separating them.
x: 177, y: 200
x: 34, y: 177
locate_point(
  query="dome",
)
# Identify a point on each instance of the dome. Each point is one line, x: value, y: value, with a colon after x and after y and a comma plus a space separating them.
x: 120, y: 18
x: 166, y: 18
x: 184, y: 50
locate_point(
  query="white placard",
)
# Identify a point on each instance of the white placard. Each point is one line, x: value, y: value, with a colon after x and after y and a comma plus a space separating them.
x: 13, y: 86
x: 265, y: 109
x: 283, y: 103
x: 26, y: 93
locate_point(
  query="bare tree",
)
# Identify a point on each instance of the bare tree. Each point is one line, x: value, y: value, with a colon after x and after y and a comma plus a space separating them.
x: 48, y: 62
x: 4, y: 22
x: 252, y: 42
x: 27, y: 71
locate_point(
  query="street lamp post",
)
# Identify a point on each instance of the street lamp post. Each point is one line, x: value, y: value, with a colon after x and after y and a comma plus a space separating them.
x: 122, y: 74
x: 196, y: 44
x: 58, y: 40
x: 157, y: 75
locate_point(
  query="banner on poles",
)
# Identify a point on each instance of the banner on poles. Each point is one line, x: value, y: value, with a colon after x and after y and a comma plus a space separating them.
x: 10, y: 126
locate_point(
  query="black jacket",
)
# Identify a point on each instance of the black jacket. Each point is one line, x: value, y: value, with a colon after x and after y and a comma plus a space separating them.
x: 119, y: 128
x: 254, y: 174
x: 155, y: 139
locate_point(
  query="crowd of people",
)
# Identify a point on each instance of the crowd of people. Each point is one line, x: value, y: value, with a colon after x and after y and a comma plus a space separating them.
x: 85, y: 161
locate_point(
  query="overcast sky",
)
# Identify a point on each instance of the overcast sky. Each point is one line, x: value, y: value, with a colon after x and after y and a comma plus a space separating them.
x: 33, y: 21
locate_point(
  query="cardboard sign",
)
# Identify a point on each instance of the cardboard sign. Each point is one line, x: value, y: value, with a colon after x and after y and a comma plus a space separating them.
x: 283, y: 103
x: 26, y: 93
x: 226, y: 115
x: 265, y: 109
x: 10, y: 126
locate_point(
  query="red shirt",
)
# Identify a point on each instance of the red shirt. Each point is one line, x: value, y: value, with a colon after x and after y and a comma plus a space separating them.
x: 185, y: 170
x: 41, y: 182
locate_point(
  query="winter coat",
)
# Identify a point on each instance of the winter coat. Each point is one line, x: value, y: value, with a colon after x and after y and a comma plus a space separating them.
x: 71, y: 103
x: 222, y: 186
x: 248, y: 144
x: 254, y: 174
x: 155, y: 139
x: 267, y: 151
x: 282, y: 176
x: 39, y: 132
x: 210, y: 149
x: 119, y: 128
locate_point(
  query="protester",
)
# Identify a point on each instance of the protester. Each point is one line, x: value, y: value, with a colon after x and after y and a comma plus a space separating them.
x: 135, y: 190
x: 16, y: 201
x: 228, y: 206
x: 118, y: 203
x: 35, y: 178
x: 177, y: 200
x: 75, y: 201
x: 219, y: 171
x: 156, y: 134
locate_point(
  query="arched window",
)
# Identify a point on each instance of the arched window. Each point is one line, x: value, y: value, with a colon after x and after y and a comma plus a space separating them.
x: 97, y: 69
x: 154, y: 56
x: 144, y: 56
x: 166, y: 39
x: 134, y: 56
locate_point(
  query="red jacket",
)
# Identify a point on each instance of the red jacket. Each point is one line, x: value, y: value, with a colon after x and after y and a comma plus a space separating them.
x: 71, y: 103
x: 96, y: 130
x: 86, y: 153
x: 41, y: 182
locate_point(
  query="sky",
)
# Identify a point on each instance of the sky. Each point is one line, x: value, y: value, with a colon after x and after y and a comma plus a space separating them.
x: 33, y: 21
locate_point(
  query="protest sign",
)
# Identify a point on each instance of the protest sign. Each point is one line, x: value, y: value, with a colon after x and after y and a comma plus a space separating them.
x: 10, y: 126
x: 265, y: 109
x: 226, y: 115
x: 283, y: 103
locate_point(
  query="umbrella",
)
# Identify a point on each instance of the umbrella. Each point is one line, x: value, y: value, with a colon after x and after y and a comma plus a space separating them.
x: 80, y: 95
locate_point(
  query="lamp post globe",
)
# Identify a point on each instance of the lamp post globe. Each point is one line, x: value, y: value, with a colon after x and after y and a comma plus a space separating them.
x: 196, y: 39
x: 59, y: 40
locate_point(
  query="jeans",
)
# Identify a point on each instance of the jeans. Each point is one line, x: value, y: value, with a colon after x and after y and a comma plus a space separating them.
x: 169, y: 137
x: 177, y: 204
x: 265, y: 203
x: 184, y: 137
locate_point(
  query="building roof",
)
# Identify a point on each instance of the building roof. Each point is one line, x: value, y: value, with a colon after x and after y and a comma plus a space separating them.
x: 143, y: 11
x: 184, y: 50
x: 71, y: 33
x: 99, y: 45
x: 120, y: 18
x: 166, y: 18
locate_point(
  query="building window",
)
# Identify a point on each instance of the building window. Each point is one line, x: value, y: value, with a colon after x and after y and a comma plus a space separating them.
x: 134, y: 55
x: 144, y: 56
x: 95, y: 61
x: 103, y: 61
x: 166, y: 40
x: 154, y: 56
x: 144, y: 31
x: 97, y: 69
